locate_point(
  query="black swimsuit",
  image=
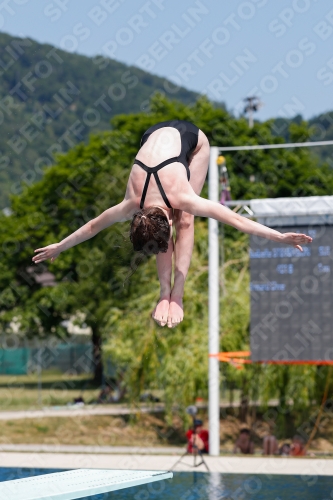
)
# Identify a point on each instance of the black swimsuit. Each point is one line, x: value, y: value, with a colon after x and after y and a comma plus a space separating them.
x: 189, y: 140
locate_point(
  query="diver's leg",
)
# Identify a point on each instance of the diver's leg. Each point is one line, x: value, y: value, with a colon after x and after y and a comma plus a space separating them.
x: 184, y: 225
x: 164, y: 270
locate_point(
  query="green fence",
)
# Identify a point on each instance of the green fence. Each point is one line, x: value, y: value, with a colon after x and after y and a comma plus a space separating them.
x: 14, y: 361
x: 67, y: 358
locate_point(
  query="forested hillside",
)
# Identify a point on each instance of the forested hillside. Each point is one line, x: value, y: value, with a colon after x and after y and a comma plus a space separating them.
x: 50, y: 100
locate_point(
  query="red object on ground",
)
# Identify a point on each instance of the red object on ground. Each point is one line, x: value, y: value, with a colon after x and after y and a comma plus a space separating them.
x: 203, y: 434
x: 297, y: 450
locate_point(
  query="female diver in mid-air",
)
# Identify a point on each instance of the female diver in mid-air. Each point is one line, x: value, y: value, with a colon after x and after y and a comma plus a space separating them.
x: 176, y: 154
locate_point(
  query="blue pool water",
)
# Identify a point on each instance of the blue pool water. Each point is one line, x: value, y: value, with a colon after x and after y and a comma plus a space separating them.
x: 212, y: 486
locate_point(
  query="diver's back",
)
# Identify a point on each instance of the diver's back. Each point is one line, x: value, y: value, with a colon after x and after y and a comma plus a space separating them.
x: 162, y: 144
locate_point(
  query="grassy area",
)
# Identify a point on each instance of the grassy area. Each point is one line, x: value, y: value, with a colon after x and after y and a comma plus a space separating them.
x: 20, y: 392
x: 140, y: 430
x: 146, y: 430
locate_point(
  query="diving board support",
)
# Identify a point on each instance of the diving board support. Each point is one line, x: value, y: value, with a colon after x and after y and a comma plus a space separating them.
x: 78, y: 483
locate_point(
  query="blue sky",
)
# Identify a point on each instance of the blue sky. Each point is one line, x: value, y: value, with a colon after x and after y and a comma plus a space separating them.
x: 278, y: 50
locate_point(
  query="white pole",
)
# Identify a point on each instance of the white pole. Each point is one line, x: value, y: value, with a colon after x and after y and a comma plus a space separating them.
x: 213, y: 284
x: 250, y: 118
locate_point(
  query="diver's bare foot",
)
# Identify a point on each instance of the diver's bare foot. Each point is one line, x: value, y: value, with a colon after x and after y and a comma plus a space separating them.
x: 176, y: 312
x: 160, y: 313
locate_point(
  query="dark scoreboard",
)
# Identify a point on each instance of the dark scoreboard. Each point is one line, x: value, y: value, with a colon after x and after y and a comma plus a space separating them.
x: 292, y: 298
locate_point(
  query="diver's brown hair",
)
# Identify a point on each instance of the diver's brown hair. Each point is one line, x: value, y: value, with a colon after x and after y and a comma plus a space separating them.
x: 150, y: 231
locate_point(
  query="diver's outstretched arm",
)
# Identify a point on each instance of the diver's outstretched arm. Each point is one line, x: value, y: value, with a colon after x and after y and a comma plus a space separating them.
x: 196, y: 205
x: 118, y: 213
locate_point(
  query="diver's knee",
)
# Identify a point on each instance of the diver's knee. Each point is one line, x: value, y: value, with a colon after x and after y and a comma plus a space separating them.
x: 185, y: 221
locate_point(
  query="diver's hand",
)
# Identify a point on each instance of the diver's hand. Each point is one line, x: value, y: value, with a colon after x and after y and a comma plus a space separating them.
x: 49, y: 252
x: 296, y: 239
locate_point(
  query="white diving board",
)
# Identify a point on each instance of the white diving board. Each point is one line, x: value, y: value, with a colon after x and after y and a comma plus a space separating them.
x: 77, y: 483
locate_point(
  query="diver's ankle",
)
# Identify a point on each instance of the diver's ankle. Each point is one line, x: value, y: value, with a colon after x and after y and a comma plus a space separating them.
x: 165, y: 295
x: 177, y: 297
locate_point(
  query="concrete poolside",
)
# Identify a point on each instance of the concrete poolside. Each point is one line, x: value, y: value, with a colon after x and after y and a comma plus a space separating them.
x: 72, y: 457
